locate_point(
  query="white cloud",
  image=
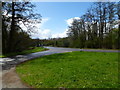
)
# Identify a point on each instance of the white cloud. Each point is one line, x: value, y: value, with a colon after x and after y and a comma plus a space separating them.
x: 39, y: 31
x: 44, y: 20
x: 60, y: 35
x: 42, y: 34
x: 64, y: 34
x: 69, y: 21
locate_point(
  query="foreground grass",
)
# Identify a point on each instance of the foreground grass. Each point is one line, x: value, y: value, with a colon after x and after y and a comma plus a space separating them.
x: 36, y: 49
x: 71, y: 70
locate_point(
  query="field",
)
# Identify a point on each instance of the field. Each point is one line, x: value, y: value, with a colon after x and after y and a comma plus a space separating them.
x: 71, y: 70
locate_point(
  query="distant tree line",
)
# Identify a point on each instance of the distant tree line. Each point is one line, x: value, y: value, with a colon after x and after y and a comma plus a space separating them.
x: 14, y: 38
x: 99, y: 27
x: 56, y: 42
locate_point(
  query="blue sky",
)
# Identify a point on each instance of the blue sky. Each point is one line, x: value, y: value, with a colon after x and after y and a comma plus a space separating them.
x: 55, y: 15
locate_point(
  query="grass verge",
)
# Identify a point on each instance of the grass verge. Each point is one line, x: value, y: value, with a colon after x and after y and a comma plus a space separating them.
x: 71, y: 70
x: 36, y: 49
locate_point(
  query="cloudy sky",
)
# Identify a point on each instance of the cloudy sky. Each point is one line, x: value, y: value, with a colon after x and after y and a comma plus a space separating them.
x: 56, y: 17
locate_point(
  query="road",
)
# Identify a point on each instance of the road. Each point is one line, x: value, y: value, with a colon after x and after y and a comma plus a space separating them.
x: 7, y: 63
x: 10, y: 62
x: 9, y: 77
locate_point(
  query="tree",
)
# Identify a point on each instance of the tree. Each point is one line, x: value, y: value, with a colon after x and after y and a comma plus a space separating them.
x: 118, y: 13
x: 95, y: 27
x: 18, y: 12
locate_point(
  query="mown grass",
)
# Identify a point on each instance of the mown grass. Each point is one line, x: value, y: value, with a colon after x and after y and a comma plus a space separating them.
x: 71, y: 70
x: 36, y: 49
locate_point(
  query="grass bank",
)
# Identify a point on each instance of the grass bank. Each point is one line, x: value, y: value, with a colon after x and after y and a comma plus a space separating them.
x: 71, y: 70
x: 31, y: 50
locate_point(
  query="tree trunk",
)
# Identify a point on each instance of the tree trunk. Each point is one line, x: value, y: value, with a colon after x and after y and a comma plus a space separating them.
x: 11, y: 34
x: 119, y: 33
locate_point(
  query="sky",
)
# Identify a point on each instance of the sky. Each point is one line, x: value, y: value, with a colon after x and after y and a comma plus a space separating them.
x: 56, y: 17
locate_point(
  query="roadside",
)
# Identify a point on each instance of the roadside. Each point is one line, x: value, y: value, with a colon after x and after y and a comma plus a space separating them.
x: 30, y: 50
x: 11, y: 79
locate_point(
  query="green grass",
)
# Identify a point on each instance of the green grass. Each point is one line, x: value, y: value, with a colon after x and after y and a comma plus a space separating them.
x: 36, y: 49
x: 99, y: 49
x: 71, y: 70
x: 2, y: 56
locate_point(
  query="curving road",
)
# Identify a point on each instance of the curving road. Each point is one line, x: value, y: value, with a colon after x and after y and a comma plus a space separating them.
x: 9, y: 77
x: 7, y: 63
